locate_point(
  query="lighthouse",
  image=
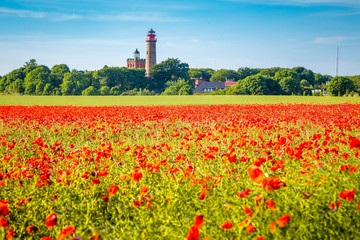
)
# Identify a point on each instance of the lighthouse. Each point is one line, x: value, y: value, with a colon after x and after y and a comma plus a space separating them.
x: 150, y: 51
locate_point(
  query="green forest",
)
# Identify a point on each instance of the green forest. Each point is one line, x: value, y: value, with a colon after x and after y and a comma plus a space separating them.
x: 171, y: 77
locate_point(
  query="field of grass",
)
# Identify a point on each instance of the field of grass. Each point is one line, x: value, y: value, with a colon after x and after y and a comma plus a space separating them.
x: 167, y: 100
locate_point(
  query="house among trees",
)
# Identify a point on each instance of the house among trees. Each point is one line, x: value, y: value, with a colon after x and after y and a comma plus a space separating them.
x: 202, y: 86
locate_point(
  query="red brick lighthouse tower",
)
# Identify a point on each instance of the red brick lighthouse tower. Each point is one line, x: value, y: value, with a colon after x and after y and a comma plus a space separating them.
x: 150, y: 51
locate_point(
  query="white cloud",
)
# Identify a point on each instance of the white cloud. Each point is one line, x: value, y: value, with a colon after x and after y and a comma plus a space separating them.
x: 33, y: 14
x: 299, y: 2
x: 140, y: 17
x: 330, y: 40
x: 22, y: 13
x: 125, y: 16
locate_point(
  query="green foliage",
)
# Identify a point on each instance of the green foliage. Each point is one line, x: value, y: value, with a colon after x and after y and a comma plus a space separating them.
x: 356, y: 81
x: 223, y: 74
x: 270, y: 72
x: 31, y: 62
x: 255, y: 85
x: 90, y: 91
x: 321, y: 79
x: 58, y: 73
x: 289, y: 81
x: 115, y: 90
x: 246, y: 72
x: 303, y: 73
x: 136, y: 92
x: 338, y: 86
x: 179, y: 87
x: 36, y: 80
x: 104, y: 90
x: 169, y: 70
x: 204, y: 73
x: 74, y: 83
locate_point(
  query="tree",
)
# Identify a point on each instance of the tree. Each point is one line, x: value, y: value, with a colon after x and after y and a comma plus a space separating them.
x: 204, y: 73
x: 321, y: 79
x: 90, y: 91
x: 179, y: 87
x: 245, y: 72
x: 169, y: 70
x: 356, y: 81
x: 38, y: 77
x: 104, y: 90
x: 115, y: 90
x: 48, y: 89
x: 270, y: 72
x: 338, y: 86
x: 68, y: 87
x: 17, y: 86
x: 255, y: 85
x: 58, y: 73
x: 289, y: 81
x: 303, y: 73
x: 7, y: 82
x: 223, y: 74
x: 31, y: 62
x: 290, y: 86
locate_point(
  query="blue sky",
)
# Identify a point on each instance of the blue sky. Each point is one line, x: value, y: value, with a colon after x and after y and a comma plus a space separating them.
x: 220, y: 34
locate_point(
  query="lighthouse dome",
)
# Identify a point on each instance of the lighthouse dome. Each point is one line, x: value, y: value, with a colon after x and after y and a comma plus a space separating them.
x: 136, y: 54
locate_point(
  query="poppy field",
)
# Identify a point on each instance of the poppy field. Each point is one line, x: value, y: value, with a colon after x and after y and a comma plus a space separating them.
x: 281, y: 171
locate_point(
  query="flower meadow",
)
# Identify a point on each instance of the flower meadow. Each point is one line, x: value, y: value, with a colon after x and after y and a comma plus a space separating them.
x: 180, y: 172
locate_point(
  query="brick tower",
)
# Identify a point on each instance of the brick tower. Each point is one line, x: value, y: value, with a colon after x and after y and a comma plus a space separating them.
x: 136, y: 61
x: 150, y: 51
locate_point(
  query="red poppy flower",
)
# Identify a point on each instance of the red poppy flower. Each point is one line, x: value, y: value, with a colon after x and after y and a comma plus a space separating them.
x: 66, y: 231
x: 193, y: 233
x: 250, y: 228
x: 113, y: 189
x: 272, y: 183
x: 10, y: 234
x: 283, y: 220
x: 32, y: 229
x: 199, y: 220
x: 353, y: 169
x: 46, y: 238
x: 270, y: 204
x: 4, y: 223
x: 95, y: 181
x: 244, y: 193
x: 333, y: 206
x: 260, y: 238
x: 248, y: 211
x: 355, y: 143
x: 94, y: 237
x: 227, y: 225
x: 4, y: 209
x: 106, y: 198
x: 148, y: 205
x: 203, y: 194
x: 272, y: 227
x: 136, y: 176
x: 347, y: 194
x: 51, y: 220
x: 144, y: 190
x: 255, y: 173
x: 138, y: 203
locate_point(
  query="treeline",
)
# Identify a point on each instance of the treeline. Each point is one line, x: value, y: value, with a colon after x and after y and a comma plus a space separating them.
x: 171, y: 77
x: 34, y: 79
x: 272, y: 81
x: 279, y: 81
